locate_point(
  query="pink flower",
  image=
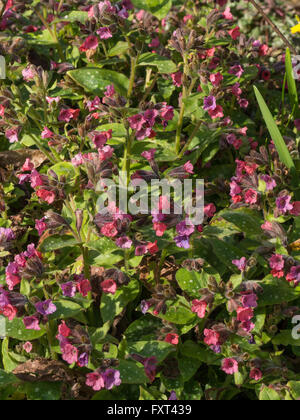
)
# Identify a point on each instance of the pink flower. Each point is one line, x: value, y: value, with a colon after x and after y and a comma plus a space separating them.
x: 95, y: 380
x: 109, y: 230
x: 212, y: 338
x: 160, y: 229
x: 155, y: 43
x: 236, y: 90
x: 227, y: 14
x: 67, y: 115
x: 244, y: 314
x: 237, y: 70
x: 28, y: 74
x: 9, y: 312
x: 251, y: 196
x: 263, y: 50
x: 91, y: 43
x: 249, y: 300
x: 104, y: 33
x: 109, y: 286
x: 235, y: 33
x: 70, y: 354
x: 36, y: 179
x: 105, y: 153
x: 28, y: 166
x: 230, y: 366
x: 84, y: 287
x: 31, y: 323
x: 188, y: 167
x: 51, y: 100
x: 276, y: 262
x: 64, y: 330
x: 295, y: 211
x: 45, y: 195
x: 187, y: 18
x: 172, y: 339
x: 267, y: 226
x: 40, y: 226
x: 240, y: 264
x: 177, y: 78
x: 297, y: 124
x: 216, y: 78
x: 27, y: 347
x: 199, y: 308
x: 100, y: 138
x: 217, y: 112
x: 256, y: 374
x: 47, y: 134
x: 152, y: 247
x: 12, y: 134
x: 210, y: 210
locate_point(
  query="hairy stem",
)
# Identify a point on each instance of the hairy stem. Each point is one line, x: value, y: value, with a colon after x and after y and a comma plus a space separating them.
x: 279, y: 33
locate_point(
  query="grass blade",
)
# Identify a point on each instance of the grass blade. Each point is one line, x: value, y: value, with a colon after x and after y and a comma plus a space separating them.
x: 293, y: 94
x: 274, y: 132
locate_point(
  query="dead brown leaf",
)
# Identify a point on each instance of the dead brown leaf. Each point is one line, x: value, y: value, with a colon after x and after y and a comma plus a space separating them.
x: 17, y: 158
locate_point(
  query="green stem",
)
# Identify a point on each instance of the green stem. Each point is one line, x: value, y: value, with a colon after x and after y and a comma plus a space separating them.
x: 53, y: 35
x: 134, y: 61
x: 195, y: 131
x: 42, y: 149
x: 3, y: 8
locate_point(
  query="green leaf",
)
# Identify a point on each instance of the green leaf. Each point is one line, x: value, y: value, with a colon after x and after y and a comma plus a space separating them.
x: 113, y: 305
x: 158, y: 349
x: 274, y: 132
x: 163, y: 64
x: 99, y: 335
x: 132, y: 372
x: 75, y: 16
x: 199, y: 352
x: 43, y: 391
x: 66, y: 309
x: 285, y: 338
x: 143, y: 329
x: 120, y: 48
x: 64, y: 169
x: 293, y: 94
x: 245, y: 220
x: 190, y: 281
x: 268, y: 394
x: 295, y: 389
x: 159, y: 8
x: 54, y: 242
x: 178, y: 312
x: 16, y: 329
x: 277, y: 291
x: 95, y: 80
x: 7, y: 379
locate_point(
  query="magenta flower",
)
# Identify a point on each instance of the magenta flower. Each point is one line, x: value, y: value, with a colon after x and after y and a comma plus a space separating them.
x: 111, y: 378
x: 31, y: 323
x: 41, y: 226
x: 240, y: 264
x: 46, y: 308
x: 270, y: 182
x: 210, y: 103
x: 149, y: 154
x: 236, y: 71
x: 104, y: 33
x: 12, y: 134
x: 284, y: 204
x: 124, y: 242
x: 68, y: 289
x: 276, y: 262
x: 249, y: 300
x: 185, y: 228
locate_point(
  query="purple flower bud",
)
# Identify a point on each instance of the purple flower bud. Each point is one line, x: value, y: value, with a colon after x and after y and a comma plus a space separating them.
x: 46, y: 308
